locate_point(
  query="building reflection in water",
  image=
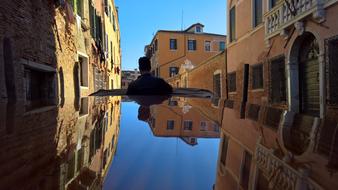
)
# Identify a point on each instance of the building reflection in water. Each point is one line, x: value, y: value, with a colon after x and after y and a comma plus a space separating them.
x: 175, y: 117
x: 44, y: 149
x: 263, y: 152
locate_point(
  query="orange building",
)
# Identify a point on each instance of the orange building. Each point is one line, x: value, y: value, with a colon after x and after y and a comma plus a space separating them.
x: 281, y: 109
x: 170, y: 49
x: 176, y: 118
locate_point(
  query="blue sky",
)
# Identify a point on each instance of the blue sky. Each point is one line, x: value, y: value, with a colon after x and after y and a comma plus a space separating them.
x: 140, y: 19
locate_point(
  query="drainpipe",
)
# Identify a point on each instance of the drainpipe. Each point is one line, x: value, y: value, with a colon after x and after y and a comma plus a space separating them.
x: 245, y: 90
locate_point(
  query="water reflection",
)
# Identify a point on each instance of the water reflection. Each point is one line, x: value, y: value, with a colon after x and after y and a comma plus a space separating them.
x: 164, y: 143
x: 51, y: 147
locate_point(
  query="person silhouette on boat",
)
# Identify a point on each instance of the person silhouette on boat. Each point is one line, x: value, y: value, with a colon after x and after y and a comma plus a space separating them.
x: 146, y: 84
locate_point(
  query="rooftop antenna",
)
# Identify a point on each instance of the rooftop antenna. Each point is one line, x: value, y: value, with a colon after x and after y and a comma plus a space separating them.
x: 182, y: 20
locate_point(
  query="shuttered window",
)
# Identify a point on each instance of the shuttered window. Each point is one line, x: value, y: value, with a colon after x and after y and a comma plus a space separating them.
x: 278, y: 81
x: 332, y: 50
x: 232, y: 24
x: 217, y: 85
x: 257, y: 76
x: 232, y: 82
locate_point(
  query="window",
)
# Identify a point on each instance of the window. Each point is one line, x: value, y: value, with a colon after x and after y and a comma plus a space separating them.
x: 173, y: 44
x: 173, y: 71
x: 224, y: 153
x: 192, y: 45
x: 232, y: 82
x: 198, y: 29
x: 170, y: 124
x: 83, y: 62
x: 156, y: 45
x: 215, y: 127
x: 245, y: 173
x: 217, y: 84
x: 232, y: 24
x: 257, y: 76
x: 332, y: 51
x: 39, y: 88
x: 84, y: 106
x: 221, y: 46
x: 278, y: 81
x: 257, y: 12
x: 111, y: 56
x: 207, y: 46
x: 111, y: 84
x: 79, y: 8
x: 187, y: 125
x: 203, y: 126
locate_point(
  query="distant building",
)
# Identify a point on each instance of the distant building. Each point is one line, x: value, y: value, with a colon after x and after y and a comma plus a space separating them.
x: 128, y: 77
x: 169, y: 50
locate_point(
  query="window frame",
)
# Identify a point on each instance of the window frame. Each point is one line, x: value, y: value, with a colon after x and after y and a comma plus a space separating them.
x: 169, y: 127
x: 256, y: 21
x: 253, y: 85
x: 205, y: 46
x: 232, y: 29
x: 189, y: 128
x: 230, y: 90
x: 219, y: 46
x: 174, y: 48
x: 194, y: 45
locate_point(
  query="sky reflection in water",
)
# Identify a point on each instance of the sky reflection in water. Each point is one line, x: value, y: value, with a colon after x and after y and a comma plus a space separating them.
x: 143, y: 161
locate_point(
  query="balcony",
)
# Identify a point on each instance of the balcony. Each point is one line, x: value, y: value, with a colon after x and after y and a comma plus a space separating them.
x: 281, y: 174
x: 288, y: 12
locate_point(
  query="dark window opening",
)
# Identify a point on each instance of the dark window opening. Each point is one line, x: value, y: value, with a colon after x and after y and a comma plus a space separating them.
x: 232, y: 82
x: 170, y: 124
x: 257, y: 76
x: 258, y: 6
x: 224, y: 153
x: 173, y: 44
x: 40, y: 88
x: 232, y: 24
x: 278, y: 81
x: 245, y: 173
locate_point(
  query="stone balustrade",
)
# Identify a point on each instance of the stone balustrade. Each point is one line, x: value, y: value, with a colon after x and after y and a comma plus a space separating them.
x: 280, y: 174
x: 288, y: 12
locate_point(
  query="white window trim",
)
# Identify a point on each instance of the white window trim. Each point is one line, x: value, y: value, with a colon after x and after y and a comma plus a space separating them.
x: 205, y: 42
x: 191, y: 39
x: 87, y: 58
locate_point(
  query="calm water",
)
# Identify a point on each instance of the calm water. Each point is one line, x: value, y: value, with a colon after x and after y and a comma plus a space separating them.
x: 110, y: 143
x: 144, y: 161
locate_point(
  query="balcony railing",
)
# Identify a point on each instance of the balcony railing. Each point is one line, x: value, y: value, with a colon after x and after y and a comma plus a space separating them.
x: 288, y: 12
x: 280, y: 174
